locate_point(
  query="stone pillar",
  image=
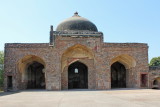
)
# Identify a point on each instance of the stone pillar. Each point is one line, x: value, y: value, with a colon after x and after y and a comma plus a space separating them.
x: 53, y: 72
x: 102, y: 73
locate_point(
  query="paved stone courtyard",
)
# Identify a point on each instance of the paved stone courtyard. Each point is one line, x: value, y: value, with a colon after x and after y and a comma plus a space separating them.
x: 82, y: 98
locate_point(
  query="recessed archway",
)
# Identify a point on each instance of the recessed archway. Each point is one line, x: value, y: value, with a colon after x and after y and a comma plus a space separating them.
x: 35, y: 75
x: 118, y: 75
x: 77, y: 51
x: 126, y: 60
x: 156, y: 83
x: 77, y: 76
x: 128, y: 64
x: 80, y: 53
x: 32, y: 70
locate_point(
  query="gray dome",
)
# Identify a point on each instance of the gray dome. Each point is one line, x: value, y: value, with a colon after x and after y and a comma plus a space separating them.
x: 76, y: 22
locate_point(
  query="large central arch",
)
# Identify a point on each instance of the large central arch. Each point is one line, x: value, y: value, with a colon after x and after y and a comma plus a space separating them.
x: 77, y: 76
x: 77, y: 51
x: 78, y: 56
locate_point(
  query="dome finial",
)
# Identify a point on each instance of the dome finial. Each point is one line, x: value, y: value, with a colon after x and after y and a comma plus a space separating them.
x: 76, y: 14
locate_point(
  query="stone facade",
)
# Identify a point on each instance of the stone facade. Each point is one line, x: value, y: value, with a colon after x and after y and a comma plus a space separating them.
x: 154, y: 77
x: 86, y: 47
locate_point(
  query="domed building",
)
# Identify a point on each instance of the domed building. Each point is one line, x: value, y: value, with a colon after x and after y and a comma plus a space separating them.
x: 76, y: 23
x: 77, y: 58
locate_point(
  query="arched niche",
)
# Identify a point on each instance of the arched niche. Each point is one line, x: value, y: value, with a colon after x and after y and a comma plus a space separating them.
x: 31, y: 68
x: 126, y: 60
x: 156, y: 83
x: 129, y: 63
x: 75, y: 53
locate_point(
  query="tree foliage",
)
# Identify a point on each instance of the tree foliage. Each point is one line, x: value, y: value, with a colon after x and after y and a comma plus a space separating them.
x: 155, y: 61
x: 1, y: 67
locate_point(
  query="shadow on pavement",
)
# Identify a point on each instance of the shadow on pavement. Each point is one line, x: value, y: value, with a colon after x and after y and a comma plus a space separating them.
x: 8, y: 93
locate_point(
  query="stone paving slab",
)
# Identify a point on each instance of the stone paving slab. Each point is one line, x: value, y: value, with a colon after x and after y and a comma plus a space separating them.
x: 81, y: 98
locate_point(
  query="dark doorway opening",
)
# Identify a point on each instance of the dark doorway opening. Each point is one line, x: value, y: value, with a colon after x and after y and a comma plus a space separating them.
x: 155, y: 82
x: 143, y: 80
x: 118, y: 75
x: 36, y: 77
x: 9, y: 80
x: 77, y: 76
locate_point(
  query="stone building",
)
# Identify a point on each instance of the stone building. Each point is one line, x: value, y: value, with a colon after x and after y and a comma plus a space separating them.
x: 76, y: 58
x: 154, y: 73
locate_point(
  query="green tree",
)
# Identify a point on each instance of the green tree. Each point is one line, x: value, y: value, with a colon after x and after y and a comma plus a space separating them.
x: 1, y: 68
x: 155, y: 61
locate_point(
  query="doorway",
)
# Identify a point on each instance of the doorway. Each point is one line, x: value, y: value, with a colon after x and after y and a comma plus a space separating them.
x: 77, y: 76
x: 36, y: 77
x: 118, y: 75
x: 9, y: 83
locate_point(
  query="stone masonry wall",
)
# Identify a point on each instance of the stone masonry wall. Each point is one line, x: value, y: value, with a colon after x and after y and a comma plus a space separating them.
x: 154, y: 73
x: 16, y: 52
x: 137, y: 51
x: 99, y: 67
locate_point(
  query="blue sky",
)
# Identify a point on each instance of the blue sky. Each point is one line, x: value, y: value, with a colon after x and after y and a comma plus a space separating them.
x: 131, y: 21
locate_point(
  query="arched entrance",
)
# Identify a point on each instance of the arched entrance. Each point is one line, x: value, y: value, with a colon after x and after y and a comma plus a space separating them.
x: 32, y: 70
x: 118, y: 75
x: 77, y: 76
x: 156, y: 83
x: 36, y: 77
x: 83, y: 55
x: 123, y: 72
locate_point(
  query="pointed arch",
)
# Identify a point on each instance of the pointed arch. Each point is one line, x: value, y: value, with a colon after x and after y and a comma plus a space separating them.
x: 27, y: 60
x: 156, y: 83
x: 31, y: 68
x: 77, y: 75
x: 118, y: 75
x: 126, y: 60
x: 75, y: 52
